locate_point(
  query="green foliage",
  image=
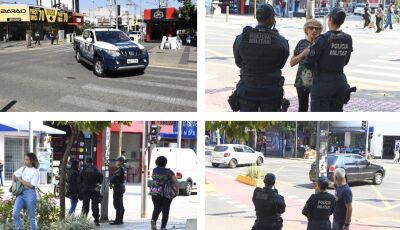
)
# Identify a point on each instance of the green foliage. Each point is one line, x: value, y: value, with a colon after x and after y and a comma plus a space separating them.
x: 188, y: 16
x: 72, y: 222
x: 46, y: 212
x: 255, y: 172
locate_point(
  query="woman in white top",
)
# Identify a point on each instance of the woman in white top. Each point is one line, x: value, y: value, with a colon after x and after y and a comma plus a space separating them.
x: 29, y: 178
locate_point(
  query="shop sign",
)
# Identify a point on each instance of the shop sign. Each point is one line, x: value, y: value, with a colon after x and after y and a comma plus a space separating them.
x: 158, y: 14
x: 14, y: 13
x: 37, y: 15
x: 51, y: 15
x: 62, y: 16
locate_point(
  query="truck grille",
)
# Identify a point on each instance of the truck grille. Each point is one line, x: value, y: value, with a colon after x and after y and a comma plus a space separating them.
x: 130, y: 53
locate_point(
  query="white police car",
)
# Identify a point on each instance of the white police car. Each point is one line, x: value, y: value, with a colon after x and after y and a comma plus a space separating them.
x: 110, y: 50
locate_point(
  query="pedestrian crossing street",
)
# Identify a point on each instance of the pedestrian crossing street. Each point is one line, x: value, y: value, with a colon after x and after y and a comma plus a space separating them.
x: 74, y: 87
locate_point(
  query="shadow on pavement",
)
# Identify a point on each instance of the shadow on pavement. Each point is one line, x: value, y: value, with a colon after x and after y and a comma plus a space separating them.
x: 8, y: 106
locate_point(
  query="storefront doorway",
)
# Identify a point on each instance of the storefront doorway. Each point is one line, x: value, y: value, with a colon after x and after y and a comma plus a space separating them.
x: 388, y: 146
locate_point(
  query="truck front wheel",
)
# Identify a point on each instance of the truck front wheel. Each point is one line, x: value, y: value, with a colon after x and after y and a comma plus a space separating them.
x: 78, y: 55
x: 98, y: 67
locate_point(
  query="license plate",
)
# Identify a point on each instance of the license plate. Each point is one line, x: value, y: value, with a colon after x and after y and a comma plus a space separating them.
x: 132, y: 61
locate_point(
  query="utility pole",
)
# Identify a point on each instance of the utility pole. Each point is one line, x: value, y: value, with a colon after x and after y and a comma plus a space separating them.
x: 317, y: 148
x: 93, y: 10
x: 366, y: 138
x: 144, y: 170
x: 310, y: 9
x: 179, y: 133
x: 116, y: 14
x: 30, y: 137
x: 104, y: 187
x: 295, y: 144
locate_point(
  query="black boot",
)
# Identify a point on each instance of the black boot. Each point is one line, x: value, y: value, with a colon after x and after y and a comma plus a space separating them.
x: 116, y: 222
x: 96, y: 222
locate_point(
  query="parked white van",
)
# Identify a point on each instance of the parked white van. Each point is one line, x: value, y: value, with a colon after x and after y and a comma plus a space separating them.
x: 183, y: 162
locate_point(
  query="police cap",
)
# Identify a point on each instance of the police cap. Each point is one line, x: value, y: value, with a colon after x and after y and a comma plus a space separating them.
x: 323, y: 182
x: 269, y: 179
x: 264, y: 12
x: 338, y: 15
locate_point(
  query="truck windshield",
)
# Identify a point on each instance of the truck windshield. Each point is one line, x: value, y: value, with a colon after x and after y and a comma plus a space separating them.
x: 111, y: 36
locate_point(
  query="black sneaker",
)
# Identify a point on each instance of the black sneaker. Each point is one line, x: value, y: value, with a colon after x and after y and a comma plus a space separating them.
x: 96, y: 223
x: 115, y: 223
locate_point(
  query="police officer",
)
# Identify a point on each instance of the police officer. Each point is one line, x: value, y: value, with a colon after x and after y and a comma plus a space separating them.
x: 117, y: 183
x: 261, y: 53
x: 269, y: 206
x: 328, y: 55
x: 90, y: 179
x: 320, y: 206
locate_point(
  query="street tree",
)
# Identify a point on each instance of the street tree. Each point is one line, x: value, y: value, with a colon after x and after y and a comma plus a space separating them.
x: 188, y: 16
x: 76, y: 127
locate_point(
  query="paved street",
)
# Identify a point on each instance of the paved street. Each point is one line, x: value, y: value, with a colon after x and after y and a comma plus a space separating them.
x: 229, y: 202
x: 373, y: 67
x: 182, y: 209
x: 49, y: 79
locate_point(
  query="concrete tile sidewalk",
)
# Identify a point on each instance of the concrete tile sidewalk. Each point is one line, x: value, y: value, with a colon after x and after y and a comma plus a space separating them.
x: 143, y: 225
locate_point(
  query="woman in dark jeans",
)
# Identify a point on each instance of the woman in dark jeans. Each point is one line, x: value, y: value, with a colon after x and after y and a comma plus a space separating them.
x: 312, y: 28
x: 73, y: 187
x: 160, y: 176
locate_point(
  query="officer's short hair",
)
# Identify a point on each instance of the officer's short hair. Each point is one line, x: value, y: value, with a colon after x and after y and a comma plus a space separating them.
x: 338, y: 15
x: 161, y: 161
x: 340, y: 173
x: 313, y: 23
x: 269, y: 179
x: 89, y: 160
x: 264, y: 12
x: 323, y: 182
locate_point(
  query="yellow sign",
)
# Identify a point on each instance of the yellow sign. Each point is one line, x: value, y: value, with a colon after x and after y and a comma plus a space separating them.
x: 14, y: 13
x: 51, y: 15
x: 37, y: 14
x: 62, y: 16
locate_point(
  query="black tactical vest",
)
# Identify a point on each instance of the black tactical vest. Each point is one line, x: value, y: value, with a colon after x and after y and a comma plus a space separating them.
x: 264, y: 204
x: 322, y: 206
x: 119, y: 176
x: 336, y: 50
x: 91, y: 177
x: 262, y: 50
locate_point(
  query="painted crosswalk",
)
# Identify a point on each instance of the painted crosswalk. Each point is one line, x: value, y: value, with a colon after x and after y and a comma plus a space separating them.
x: 382, y: 70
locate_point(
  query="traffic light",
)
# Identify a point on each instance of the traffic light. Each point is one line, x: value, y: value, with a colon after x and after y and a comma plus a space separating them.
x: 119, y: 21
x: 119, y: 10
x: 364, y: 125
x: 154, y: 134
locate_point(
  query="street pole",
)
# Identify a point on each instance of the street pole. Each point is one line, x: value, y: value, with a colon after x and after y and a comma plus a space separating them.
x: 318, y: 147
x: 295, y: 145
x: 120, y: 140
x: 255, y: 8
x: 30, y: 137
x: 93, y: 10
x: 116, y: 14
x: 144, y: 170
x: 366, y: 139
x: 104, y: 187
x: 227, y: 13
x: 217, y: 132
x: 179, y: 134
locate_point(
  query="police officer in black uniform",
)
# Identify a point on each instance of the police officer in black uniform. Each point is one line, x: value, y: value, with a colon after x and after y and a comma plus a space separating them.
x: 327, y: 58
x: 320, y: 206
x: 117, y: 183
x: 261, y: 53
x: 90, y: 179
x: 269, y: 206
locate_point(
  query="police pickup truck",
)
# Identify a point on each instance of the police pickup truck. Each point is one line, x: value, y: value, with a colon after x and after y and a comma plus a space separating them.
x: 110, y: 50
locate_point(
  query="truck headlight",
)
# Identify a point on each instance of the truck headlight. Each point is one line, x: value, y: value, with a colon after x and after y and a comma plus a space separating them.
x: 143, y: 51
x: 113, y: 53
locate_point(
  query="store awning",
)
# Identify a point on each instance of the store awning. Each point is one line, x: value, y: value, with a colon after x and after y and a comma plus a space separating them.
x: 23, y: 127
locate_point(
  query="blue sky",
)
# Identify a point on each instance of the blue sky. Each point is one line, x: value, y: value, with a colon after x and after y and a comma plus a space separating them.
x: 86, y: 4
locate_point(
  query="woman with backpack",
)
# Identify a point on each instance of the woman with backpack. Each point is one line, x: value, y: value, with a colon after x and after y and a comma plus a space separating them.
x: 164, y: 188
x: 28, y: 176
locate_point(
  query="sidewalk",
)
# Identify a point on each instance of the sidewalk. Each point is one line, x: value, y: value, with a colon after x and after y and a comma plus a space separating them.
x: 182, y: 209
x: 185, y: 58
x: 22, y: 45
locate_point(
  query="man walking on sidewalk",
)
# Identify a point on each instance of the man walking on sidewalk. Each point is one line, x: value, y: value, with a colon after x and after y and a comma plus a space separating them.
x: 37, y: 38
x: 344, y: 197
x: 117, y: 183
x: 90, y: 179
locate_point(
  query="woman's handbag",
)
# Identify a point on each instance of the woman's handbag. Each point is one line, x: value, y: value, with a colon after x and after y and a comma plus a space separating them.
x: 17, y: 187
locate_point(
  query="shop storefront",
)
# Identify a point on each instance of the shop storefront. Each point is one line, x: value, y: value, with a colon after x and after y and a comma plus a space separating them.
x: 160, y: 22
x: 14, y: 20
x: 18, y: 20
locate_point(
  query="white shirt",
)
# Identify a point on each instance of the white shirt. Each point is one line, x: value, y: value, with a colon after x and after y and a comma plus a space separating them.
x: 30, y: 175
